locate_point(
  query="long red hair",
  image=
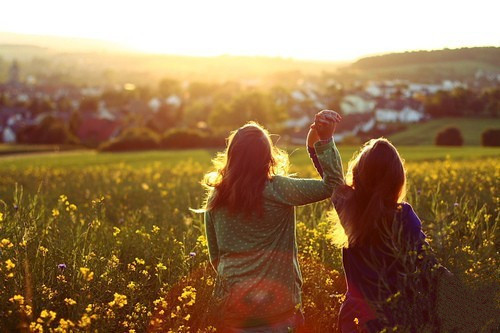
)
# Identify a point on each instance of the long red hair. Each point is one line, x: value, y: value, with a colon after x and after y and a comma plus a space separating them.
x: 375, y: 184
x: 242, y: 170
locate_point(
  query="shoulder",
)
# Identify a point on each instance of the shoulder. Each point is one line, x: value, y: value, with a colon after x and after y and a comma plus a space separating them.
x: 409, y: 217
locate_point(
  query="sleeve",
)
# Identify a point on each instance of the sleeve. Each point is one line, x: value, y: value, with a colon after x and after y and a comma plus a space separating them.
x: 301, y: 191
x: 213, y: 247
x: 414, y: 227
x: 314, y: 158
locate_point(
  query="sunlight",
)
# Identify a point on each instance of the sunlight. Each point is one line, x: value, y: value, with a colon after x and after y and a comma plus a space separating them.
x: 313, y: 30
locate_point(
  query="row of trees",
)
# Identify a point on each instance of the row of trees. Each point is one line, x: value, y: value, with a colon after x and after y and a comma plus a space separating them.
x: 462, y: 102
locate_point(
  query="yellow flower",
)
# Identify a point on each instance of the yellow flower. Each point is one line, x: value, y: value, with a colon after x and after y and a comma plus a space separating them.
x: 69, y: 301
x: 55, y: 212
x: 44, y: 250
x: 9, y: 264
x: 47, y: 316
x: 17, y: 299
x: 119, y: 300
x: 116, y: 231
x: 6, y: 243
x: 187, y: 317
x: 161, y: 267
x: 145, y: 186
x: 87, y: 274
x: 65, y: 324
x: 356, y: 321
x: 131, y: 285
x: 140, y: 261
x: 1, y: 216
x: 155, y: 229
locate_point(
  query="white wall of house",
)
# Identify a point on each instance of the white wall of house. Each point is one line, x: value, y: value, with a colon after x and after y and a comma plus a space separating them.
x: 8, y: 135
x: 407, y: 115
x: 356, y: 104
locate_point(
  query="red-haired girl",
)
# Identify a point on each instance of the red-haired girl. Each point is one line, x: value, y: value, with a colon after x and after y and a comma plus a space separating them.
x: 250, y: 226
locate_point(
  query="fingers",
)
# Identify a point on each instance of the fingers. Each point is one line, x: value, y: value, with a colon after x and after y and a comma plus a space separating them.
x: 326, y: 116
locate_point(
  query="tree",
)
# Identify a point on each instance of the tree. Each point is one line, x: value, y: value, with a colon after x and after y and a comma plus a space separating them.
x: 450, y: 136
x: 491, y: 138
x: 247, y: 106
x: 139, y: 138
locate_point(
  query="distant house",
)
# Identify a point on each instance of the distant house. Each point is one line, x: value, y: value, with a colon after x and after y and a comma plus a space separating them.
x: 8, y: 135
x: 357, y: 103
x: 401, y: 110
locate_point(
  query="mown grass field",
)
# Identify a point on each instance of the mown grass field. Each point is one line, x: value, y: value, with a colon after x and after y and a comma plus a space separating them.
x: 425, y: 133
x: 107, y: 242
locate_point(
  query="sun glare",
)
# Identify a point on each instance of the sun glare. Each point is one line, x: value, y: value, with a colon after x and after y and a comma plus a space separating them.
x: 314, y: 29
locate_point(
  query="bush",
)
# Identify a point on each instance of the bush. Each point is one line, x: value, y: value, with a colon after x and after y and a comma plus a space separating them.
x: 49, y: 131
x: 133, y: 139
x: 491, y: 138
x: 189, y: 138
x: 450, y: 136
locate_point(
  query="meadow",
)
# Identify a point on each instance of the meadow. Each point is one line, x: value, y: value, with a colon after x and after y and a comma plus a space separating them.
x: 106, y: 242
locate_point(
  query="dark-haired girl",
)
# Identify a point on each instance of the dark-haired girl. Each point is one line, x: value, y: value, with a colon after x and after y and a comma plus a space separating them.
x: 385, y: 241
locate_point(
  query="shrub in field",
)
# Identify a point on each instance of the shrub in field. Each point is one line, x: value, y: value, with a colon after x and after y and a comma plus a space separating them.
x: 450, y: 136
x: 189, y: 138
x: 133, y: 139
x: 183, y: 138
x: 491, y: 138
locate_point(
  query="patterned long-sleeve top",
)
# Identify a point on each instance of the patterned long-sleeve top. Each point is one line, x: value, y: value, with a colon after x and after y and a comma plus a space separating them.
x: 258, y: 273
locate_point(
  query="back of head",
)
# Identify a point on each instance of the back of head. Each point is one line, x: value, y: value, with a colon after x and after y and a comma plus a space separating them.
x: 377, y: 178
x: 242, y: 171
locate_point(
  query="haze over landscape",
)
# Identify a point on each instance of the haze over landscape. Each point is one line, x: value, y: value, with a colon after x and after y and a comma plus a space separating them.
x: 321, y: 30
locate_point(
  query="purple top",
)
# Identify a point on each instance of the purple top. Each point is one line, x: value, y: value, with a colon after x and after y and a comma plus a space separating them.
x: 363, y: 274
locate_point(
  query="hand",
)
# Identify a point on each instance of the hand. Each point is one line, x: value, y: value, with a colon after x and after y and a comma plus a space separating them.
x: 325, y: 123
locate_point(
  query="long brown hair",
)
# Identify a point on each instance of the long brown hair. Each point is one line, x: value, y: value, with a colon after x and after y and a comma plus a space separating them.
x: 375, y: 184
x: 242, y: 170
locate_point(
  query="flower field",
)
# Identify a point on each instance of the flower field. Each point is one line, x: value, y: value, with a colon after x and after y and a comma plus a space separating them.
x: 102, y: 242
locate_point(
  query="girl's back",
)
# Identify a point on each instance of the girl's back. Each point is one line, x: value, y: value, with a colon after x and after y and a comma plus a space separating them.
x: 259, y: 279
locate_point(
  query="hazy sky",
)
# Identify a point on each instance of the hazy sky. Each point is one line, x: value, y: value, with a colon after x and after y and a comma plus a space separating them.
x: 313, y: 29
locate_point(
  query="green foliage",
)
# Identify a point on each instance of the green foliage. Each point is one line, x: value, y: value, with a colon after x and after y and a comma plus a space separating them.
x: 49, y: 131
x: 450, y: 136
x: 140, y: 138
x: 463, y: 102
x: 189, y: 138
x: 491, y: 138
x: 247, y: 106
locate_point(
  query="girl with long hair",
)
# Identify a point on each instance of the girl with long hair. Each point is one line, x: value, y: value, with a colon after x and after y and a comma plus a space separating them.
x: 384, y: 246
x: 250, y: 226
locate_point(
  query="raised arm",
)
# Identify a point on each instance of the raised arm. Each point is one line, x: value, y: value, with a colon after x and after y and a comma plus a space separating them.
x: 296, y: 192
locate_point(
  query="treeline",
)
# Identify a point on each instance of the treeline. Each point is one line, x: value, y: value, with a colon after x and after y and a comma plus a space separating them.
x: 488, y: 55
x: 462, y: 102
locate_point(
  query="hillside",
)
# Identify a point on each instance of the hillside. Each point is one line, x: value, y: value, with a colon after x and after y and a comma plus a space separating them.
x: 429, y: 66
x: 424, y: 133
x: 486, y: 55
x: 81, y: 61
